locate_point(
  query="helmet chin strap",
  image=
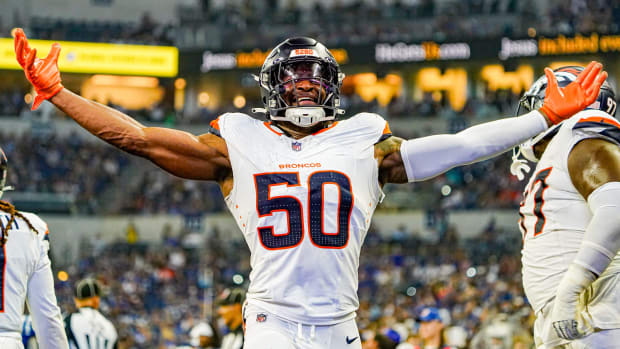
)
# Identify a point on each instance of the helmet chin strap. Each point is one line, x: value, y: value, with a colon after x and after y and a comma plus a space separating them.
x: 304, y: 116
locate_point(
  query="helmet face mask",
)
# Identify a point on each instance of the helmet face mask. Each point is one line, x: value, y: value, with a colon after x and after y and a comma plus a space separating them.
x: 297, y: 62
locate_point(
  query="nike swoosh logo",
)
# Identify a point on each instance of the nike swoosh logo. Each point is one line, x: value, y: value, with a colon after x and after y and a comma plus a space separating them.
x: 349, y: 341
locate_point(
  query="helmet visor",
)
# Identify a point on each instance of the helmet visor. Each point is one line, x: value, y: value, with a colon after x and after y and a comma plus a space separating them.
x: 313, y: 71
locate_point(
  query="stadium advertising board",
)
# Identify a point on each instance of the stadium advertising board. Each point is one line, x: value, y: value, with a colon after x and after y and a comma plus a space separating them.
x: 559, y: 45
x: 250, y: 59
x: 97, y: 58
x: 426, y: 51
x: 411, y: 53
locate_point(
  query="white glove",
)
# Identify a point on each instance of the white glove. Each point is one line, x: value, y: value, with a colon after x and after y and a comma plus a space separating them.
x: 565, y: 316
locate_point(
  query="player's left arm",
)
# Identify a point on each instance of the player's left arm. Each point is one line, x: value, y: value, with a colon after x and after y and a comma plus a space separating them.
x: 594, y: 168
x: 46, y: 317
x: 427, y: 157
x: 419, y: 159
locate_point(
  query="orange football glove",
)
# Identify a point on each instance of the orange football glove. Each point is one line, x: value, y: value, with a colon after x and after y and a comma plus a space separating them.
x: 43, y: 74
x: 562, y: 103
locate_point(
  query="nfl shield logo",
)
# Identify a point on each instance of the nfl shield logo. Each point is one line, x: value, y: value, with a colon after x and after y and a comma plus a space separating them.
x: 261, y: 317
x: 296, y: 146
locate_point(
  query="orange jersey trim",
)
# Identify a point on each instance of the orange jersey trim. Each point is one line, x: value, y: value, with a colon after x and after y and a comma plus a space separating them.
x: 268, y: 125
x: 387, y: 130
x: 600, y: 119
x: 216, y: 123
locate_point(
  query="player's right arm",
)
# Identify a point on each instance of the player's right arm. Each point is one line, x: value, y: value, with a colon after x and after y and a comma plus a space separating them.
x: 202, y: 157
x: 185, y: 155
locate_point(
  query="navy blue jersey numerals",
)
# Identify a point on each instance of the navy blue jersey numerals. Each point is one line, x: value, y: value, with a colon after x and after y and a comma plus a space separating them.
x: 539, y: 201
x: 315, y: 203
x: 289, y: 204
x: 267, y: 205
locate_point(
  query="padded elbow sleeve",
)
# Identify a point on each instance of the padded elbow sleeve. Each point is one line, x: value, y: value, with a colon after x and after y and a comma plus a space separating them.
x: 602, y: 237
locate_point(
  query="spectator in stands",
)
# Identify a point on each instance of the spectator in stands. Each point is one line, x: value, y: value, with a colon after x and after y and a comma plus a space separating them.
x: 432, y: 329
x: 379, y: 341
x: 229, y: 310
x: 202, y: 336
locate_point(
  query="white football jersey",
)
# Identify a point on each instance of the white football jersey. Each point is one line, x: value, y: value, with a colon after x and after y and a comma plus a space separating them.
x: 27, y: 276
x: 554, y: 215
x: 88, y: 328
x: 304, y: 207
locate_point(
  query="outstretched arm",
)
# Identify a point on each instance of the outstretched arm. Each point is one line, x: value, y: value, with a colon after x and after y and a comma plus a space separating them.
x: 202, y: 157
x: 594, y: 167
x: 180, y: 153
x: 423, y: 158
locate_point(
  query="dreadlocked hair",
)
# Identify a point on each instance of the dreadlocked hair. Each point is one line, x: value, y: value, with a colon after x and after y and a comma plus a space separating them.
x: 10, y: 209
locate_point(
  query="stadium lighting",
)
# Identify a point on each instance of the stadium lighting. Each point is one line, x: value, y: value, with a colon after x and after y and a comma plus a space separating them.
x: 238, y: 279
x: 63, y: 276
x: 471, y: 272
x: 446, y: 190
x: 239, y: 101
x: 203, y: 99
x: 180, y: 83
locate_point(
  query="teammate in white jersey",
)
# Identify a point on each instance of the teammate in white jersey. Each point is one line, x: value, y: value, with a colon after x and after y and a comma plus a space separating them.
x: 26, y: 277
x: 570, y: 223
x: 302, y: 185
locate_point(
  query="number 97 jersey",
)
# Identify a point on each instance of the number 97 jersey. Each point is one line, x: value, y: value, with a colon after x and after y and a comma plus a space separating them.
x: 304, y: 207
x: 554, y: 215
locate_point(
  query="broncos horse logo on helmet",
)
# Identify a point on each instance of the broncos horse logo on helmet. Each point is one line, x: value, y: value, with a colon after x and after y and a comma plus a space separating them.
x: 534, y: 98
x: 292, y: 61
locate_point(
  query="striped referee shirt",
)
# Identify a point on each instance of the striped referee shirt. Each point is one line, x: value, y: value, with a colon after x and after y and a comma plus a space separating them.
x: 88, y: 329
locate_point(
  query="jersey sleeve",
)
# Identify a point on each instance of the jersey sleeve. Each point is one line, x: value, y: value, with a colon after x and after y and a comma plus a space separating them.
x: 603, y: 126
x: 386, y: 133
x: 214, y: 126
x: 41, y: 298
x: 46, y: 317
x: 41, y: 227
x: 371, y: 124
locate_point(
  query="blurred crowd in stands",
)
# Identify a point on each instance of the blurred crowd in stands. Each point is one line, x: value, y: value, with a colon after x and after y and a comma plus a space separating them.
x: 157, y: 291
x: 339, y: 22
x: 44, y: 162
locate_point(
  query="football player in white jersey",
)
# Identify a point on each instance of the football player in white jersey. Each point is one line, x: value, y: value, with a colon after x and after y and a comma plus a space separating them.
x: 570, y: 223
x: 302, y: 186
x: 26, y: 277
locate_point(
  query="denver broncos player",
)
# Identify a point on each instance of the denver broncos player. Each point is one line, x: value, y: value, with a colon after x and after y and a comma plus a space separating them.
x: 303, y: 185
x: 26, y: 275
x: 570, y: 220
